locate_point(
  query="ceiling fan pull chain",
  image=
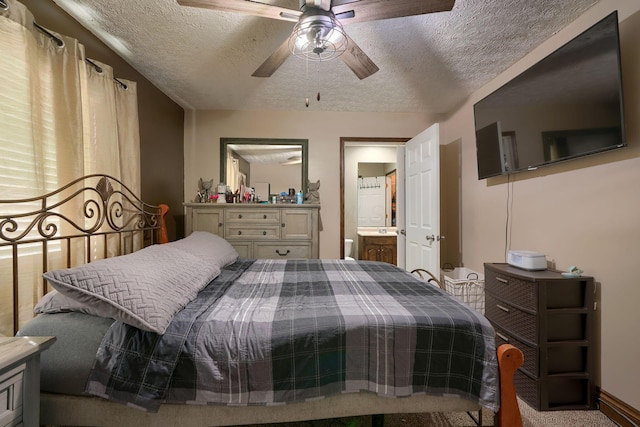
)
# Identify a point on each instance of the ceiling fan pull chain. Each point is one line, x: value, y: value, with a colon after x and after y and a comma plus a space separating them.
x: 306, y: 72
x: 318, y: 81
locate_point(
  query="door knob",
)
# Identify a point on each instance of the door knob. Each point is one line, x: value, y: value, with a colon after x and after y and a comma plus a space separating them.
x: 431, y: 238
x: 440, y: 238
x: 403, y: 232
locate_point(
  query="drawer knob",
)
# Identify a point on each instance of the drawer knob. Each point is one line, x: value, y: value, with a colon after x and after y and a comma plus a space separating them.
x: 239, y: 232
x: 240, y: 216
x: 264, y: 216
x: 264, y: 233
x: 282, y: 254
x: 219, y: 224
x: 282, y: 225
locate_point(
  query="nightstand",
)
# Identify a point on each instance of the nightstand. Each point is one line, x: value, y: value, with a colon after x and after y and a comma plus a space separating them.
x: 20, y: 379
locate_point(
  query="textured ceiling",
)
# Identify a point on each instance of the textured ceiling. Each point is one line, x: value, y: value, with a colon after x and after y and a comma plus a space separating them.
x: 204, y: 59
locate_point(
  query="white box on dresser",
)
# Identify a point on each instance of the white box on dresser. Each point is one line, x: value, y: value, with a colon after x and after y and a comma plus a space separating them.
x: 20, y: 379
x: 258, y: 230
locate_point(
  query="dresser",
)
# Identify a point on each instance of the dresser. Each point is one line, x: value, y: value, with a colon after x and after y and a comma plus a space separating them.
x: 255, y: 230
x: 551, y: 319
x: 20, y: 379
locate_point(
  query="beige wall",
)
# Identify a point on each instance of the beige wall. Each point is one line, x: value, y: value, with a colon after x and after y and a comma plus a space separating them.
x: 285, y: 177
x: 584, y: 212
x: 203, y: 130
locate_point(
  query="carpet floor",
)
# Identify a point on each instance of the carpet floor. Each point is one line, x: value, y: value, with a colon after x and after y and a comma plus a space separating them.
x: 530, y: 418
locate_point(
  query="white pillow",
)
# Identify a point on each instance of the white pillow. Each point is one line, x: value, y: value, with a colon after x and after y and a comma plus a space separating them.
x: 144, y: 289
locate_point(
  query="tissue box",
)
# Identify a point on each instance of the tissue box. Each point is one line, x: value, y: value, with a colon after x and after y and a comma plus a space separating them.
x: 527, y: 260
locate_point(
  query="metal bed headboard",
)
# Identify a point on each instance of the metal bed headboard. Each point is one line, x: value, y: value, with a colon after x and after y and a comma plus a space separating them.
x: 92, y: 212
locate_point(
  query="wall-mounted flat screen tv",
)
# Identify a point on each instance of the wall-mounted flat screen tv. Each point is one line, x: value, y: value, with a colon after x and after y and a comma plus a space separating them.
x: 566, y: 106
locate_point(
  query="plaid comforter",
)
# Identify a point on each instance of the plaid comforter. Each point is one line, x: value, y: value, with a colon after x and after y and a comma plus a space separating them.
x: 276, y: 331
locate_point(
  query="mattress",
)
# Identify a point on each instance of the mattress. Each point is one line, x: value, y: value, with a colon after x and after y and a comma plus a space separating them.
x: 66, y: 365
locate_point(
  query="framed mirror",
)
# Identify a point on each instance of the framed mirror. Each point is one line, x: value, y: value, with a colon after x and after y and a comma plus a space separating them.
x: 277, y: 164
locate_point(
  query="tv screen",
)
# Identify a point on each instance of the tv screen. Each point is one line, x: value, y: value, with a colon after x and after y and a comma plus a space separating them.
x: 566, y: 106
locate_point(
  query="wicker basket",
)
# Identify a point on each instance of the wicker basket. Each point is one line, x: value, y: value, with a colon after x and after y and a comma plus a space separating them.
x: 466, y: 285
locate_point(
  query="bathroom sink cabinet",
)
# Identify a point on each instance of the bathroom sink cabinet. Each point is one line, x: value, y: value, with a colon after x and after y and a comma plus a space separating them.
x: 378, y: 248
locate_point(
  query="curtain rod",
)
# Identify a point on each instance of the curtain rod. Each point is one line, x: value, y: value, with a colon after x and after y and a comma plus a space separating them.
x: 98, y: 68
x: 60, y: 43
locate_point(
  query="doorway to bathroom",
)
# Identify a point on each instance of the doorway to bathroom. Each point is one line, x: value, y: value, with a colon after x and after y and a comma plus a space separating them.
x: 369, y: 178
x: 376, y: 150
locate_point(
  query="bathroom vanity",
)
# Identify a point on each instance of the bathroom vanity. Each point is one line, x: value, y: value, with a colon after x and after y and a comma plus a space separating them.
x: 376, y: 246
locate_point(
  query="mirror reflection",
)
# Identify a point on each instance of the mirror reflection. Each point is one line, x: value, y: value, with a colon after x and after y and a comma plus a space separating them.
x: 270, y: 166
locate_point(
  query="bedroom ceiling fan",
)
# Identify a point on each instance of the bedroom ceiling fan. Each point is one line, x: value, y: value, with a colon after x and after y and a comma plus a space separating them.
x: 318, y: 33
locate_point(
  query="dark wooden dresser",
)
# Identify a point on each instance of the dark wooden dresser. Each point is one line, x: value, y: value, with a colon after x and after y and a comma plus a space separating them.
x: 551, y: 319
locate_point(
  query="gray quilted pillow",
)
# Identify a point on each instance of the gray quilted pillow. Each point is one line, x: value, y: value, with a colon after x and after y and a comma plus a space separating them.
x: 55, y: 302
x: 143, y: 289
x: 209, y: 247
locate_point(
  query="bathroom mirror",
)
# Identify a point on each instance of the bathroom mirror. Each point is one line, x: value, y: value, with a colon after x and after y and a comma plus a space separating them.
x: 282, y: 163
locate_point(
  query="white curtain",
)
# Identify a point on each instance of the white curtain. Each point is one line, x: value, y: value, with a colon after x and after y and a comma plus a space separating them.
x: 61, y: 117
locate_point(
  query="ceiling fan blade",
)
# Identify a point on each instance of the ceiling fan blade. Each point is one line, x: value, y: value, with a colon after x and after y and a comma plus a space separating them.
x: 249, y: 7
x: 358, y: 61
x: 372, y: 10
x: 273, y: 62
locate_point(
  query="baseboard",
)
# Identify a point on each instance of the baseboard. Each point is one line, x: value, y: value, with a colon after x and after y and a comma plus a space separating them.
x: 618, y: 411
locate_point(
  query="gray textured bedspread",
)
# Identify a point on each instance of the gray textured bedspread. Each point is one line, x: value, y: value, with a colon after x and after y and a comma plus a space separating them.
x: 269, y: 332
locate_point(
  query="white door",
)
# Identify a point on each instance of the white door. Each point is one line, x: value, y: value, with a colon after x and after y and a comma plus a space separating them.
x: 422, y: 201
x: 371, y: 201
x: 400, y: 207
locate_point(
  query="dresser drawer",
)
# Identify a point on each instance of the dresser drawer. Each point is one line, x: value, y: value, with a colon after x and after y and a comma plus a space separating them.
x: 510, y: 319
x: 11, y: 396
x: 282, y: 251
x: 522, y: 293
x: 242, y: 232
x: 530, y: 363
x: 244, y: 248
x: 254, y: 216
x: 554, y: 393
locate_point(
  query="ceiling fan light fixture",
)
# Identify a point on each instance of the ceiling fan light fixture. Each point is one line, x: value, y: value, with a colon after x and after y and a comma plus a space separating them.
x: 318, y: 36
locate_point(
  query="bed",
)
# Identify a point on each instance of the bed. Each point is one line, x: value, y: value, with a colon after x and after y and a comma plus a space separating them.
x: 187, y: 333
